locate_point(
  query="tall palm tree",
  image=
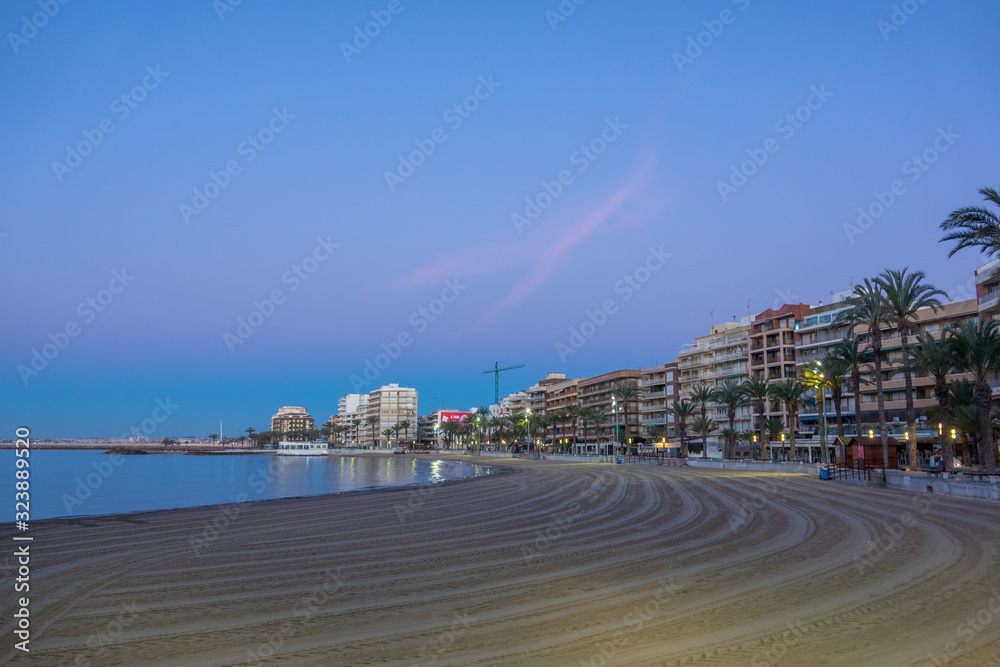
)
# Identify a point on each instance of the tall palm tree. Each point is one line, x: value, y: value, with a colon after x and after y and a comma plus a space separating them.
x: 682, y: 411
x: 250, y: 433
x: 854, y: 358
x: 975, y: 226
x: 730, y: 394
x: 793, y: 395
x: 404, y: 426
x: 373, y: 423
x: 976, y: 347
x: 868, y: 307
x: 213, y: 437
x: 355, y: 423
x: 935, y: 359
x: 704, y: 426
x: 775, y: 427
x: 702, y: 396
x: 625, y: 393
x: 595, y: 416
x: 757, y: 390
x: 816, y: 378
x: 905, y: 294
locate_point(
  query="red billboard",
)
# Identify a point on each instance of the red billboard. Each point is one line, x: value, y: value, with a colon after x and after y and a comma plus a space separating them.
x: 451, y: 416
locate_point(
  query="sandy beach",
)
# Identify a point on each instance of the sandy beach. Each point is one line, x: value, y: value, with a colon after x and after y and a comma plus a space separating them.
x: 547, y: 564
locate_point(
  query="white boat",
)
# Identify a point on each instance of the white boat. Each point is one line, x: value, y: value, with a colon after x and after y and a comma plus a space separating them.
x: 302, y: 449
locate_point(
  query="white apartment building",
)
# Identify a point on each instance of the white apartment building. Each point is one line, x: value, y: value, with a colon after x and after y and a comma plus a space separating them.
x: 392, y: 405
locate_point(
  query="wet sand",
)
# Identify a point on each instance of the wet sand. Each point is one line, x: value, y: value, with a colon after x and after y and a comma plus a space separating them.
x: 548, y: 564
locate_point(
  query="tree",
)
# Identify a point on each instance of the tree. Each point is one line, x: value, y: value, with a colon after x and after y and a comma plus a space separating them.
x: 816, y: 378
x: 975, y: 226
x: 730, y: 394
x: 758, y: 391
x: 213, y: 437
x: 703, y: 426
x: 388, y: 433
x: 867, y: 307
x: 328, y: 430
x: 682, y: 411
x: 935, y: 359
x: 624, y: 393
x: 905, y: 294
x: 355, y: 423
x: 373, y: 422
x: 853, y: 357
x: 404, y: 426
x: 250, y: 433
x: 976, y: 347
x: 702, y: 396
x: 793, y: 395
x: 450, y: 431
x: 775, y: 427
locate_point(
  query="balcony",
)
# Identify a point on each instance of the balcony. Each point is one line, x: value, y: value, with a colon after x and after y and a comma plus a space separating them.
x: 985, y: 272
x: 990, y: 299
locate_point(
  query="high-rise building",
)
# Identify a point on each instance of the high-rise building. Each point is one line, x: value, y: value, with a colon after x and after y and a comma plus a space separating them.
x: 660, y: 386
x: 597, y: 392
x: 291, y: 419
x: 392, y: 405
x: 351, y: 409
x: 559, y: 396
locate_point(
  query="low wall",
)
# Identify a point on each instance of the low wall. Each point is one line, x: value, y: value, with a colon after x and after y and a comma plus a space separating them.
x: 951, y: 485
x: 802, y: 468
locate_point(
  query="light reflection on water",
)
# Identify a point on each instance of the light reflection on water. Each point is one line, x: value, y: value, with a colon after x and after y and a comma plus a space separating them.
x: 67, y: 483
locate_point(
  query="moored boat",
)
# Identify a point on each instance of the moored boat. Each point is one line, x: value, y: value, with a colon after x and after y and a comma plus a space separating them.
x: 302, y: 448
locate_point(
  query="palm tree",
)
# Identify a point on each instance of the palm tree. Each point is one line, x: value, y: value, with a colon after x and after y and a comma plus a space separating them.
x: 702, y: 396
x: 793, y: 395
x: 213, y: 437
x: 328, y: 430
x: 758, y: 391
x: 682, y: 411
x: 404, y: 426
x: 976, y: 347
x: 853, y: 358
x: 975, y: 226
x: 703, y: 427
x: 868, y: 307
x: 730, y: 394
x: 250, y: 433
x: 388, y: 433
x: 595, y: 416
x: 355, y: 423
x: 775, y: 427
x: 624, y: 393
x: 450, y: 430
x: 935, y: 359
x: 817, y: 379
x: 373, y: 422
x: 905, y: 294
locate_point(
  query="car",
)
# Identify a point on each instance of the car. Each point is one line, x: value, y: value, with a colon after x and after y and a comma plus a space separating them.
x: 400, y: 450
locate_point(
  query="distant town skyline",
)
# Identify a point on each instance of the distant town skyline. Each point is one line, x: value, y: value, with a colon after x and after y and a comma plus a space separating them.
x: 260, y: 207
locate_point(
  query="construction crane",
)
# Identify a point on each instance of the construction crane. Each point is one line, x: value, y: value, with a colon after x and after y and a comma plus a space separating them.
x: 496, y: 376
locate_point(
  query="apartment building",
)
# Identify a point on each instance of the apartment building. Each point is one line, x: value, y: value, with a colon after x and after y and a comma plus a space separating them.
x: 660, y: 386
x: 350, y: 409
x: 291, y: 418
x: 772, y: 352
x: 596, y: 392
x: 559, y: 396
x: 392, y: 404
x: 818, y: 332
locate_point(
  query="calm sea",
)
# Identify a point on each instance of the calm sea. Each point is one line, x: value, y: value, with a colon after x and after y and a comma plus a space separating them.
x: 71, y: 483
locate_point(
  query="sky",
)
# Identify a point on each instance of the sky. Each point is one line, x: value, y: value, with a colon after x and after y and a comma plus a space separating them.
x: 213, y: 209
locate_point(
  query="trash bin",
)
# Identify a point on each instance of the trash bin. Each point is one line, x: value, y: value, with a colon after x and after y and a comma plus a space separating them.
x: 824, y: 472
x: 618, y: 459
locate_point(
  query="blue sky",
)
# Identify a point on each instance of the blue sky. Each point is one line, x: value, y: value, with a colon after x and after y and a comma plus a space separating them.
x: 624, y: 142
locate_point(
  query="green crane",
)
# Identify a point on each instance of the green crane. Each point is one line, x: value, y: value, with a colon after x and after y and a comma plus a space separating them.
x: 496, y: 376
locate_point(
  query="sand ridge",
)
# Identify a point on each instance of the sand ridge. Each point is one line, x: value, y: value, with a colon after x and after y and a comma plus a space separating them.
x: 548, y: 564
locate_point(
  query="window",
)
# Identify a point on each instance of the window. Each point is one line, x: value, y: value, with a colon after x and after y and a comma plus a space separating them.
x: 670, y: 376
x: 670, y: 390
